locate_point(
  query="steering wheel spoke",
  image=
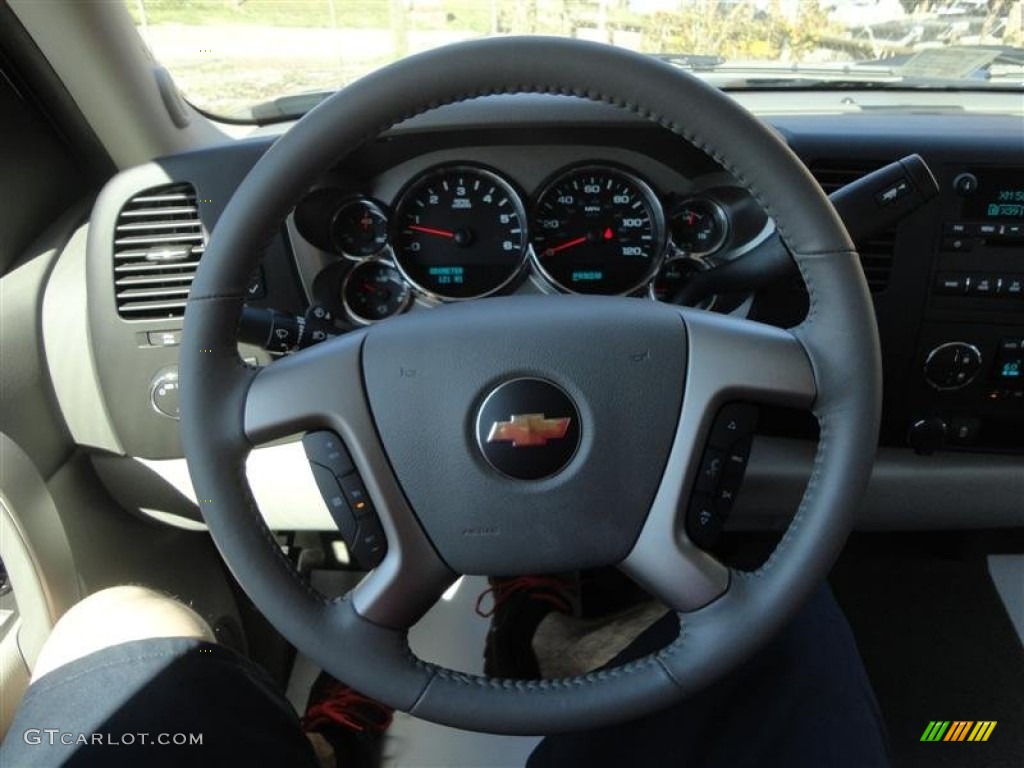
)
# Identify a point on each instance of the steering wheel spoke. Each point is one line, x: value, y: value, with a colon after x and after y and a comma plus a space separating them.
x: 321, y: 388
x: 318, y: 388
x: 729, y: 360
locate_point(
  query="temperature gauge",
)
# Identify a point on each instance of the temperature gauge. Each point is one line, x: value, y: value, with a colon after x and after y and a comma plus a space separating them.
x: 699, y: 226
x: 374, y: 290
x: 359, y: 228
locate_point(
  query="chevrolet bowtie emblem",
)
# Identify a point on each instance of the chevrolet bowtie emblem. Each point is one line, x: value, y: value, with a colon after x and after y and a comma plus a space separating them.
x: 528, y: 430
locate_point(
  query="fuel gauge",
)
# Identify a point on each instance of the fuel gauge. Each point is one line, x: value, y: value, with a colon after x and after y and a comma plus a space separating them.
x: 699, y: 226
x: 374, y: 290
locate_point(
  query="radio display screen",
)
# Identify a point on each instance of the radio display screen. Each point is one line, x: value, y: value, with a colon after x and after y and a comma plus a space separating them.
x: 999, y: 197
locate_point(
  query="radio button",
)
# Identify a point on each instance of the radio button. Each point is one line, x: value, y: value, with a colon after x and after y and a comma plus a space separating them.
x: 951, y: 284
x: 984, y: 285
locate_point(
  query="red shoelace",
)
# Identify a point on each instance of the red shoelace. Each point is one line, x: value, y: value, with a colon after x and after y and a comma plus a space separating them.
x: 548, y: 589
x: 349, y: 708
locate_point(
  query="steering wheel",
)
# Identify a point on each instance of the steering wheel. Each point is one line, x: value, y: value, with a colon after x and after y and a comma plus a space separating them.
x: 643, y: 381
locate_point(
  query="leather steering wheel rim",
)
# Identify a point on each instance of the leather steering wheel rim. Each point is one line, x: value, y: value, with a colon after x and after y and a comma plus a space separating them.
x: 830, y: 364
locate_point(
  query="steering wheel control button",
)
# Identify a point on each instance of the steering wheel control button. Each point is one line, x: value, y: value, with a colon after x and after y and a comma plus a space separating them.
x: 368, y: 545
x: 358, y: 498
x: 721, y: 471
x: 346, y: 497
x: 711, y: 468
x: 528, y: 429
x: 327, y: 450
x: 734, y: 421
x: 952, y: 366
x: 334, y: 498
x: 704, y: 521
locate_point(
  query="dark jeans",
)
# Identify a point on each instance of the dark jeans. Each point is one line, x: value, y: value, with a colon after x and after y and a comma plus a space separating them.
x: 803, y: 701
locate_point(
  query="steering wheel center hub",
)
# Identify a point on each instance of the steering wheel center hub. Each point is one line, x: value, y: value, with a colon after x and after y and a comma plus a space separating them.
x: 528, y: 429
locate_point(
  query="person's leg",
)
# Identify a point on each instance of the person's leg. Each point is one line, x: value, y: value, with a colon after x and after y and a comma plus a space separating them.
x: 132, y: 677
x: 117, y: 615
x: 804, y: 700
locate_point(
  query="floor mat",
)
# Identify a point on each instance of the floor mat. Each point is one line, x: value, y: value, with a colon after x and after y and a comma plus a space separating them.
x: 939, y: 646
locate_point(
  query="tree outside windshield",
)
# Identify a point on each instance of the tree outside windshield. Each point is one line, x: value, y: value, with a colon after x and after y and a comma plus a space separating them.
x: 229, y: 56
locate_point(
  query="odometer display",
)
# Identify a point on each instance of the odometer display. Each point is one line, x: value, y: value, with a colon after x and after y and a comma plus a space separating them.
x: 459, y: 233
x: 597, y: 230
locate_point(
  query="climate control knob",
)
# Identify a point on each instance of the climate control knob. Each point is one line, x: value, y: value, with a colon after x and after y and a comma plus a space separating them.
x: 952, y: 365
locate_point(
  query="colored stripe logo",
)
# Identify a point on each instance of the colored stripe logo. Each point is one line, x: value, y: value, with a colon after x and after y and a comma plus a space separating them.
x: 958, y: 730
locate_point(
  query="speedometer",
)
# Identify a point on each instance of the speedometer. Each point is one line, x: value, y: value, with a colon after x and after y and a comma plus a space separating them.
x: 597, y: 230
x: 459, y: 232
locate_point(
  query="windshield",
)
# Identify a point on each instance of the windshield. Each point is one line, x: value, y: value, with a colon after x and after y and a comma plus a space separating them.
x: 264, y: 60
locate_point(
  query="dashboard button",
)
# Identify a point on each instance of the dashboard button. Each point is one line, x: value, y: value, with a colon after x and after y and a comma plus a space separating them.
x: 956, y: 228
x: 983, y: 285
x: 958, y: 244
x: 163, y: 392
x: 964, y: 431
x: 952, y: 365
x: 1011, y: 347
x: 965, y: 184
x: 951, y: 284
x: 164, y: 338
x: 1013, y: 285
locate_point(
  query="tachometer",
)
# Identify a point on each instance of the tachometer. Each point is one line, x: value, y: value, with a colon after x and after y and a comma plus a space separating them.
x: 459, y: 233
x: 597, y: 230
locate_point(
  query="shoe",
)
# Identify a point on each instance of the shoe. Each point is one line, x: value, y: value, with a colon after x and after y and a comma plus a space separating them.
x: 518, y: 606
x: 353, y: 724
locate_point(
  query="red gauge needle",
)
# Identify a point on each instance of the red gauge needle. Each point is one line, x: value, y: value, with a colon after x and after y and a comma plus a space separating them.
x: 431, y: 231
x: 577, y: 241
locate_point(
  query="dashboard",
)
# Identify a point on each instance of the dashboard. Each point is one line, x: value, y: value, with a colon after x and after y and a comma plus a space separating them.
x: 546, y: 194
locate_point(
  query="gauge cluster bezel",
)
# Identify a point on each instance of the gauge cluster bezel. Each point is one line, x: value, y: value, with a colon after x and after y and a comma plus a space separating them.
x: 664, y: 196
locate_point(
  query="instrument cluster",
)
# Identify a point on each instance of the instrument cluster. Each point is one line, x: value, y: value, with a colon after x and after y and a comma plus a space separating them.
x: 463, y: 231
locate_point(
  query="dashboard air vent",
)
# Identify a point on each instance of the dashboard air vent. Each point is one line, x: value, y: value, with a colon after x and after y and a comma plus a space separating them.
x: 876, y: 253
x: 157, y: 244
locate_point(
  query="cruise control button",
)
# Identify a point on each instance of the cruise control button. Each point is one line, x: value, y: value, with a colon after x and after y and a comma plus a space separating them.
x: 326, y: 449
x: 734, y: 421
